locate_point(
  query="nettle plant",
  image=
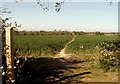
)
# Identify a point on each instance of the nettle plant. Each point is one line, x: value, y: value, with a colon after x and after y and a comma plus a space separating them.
x: 4, y: 23
x: 109, y: 59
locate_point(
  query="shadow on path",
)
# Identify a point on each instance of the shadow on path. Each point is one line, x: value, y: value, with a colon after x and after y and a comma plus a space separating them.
x: 71, y: 76
x: 45, y: 71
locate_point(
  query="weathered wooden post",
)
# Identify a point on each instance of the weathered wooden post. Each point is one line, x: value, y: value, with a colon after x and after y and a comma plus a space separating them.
x: 0, y: 56
x: 1, y: 31
x: 9, y: 55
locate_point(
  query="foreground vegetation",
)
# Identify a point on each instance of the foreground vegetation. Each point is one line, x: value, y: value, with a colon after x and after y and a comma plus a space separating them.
x: 99, y: 51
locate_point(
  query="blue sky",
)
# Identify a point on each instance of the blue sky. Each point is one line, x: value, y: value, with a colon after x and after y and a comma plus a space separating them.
x: 74, y: 16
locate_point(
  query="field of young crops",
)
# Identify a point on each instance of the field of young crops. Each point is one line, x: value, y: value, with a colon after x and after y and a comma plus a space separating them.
x: 40, y: 44
x: 88, y: 42
x: 52, y: 44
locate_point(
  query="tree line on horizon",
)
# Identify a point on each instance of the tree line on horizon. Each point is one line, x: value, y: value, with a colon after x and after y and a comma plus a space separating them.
x: 59, y: 32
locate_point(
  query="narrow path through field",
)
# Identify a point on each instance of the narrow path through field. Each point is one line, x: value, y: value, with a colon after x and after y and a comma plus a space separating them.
x: 62, y: 52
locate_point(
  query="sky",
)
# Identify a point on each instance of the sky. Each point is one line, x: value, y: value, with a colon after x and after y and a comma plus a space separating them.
x: 73, y: 16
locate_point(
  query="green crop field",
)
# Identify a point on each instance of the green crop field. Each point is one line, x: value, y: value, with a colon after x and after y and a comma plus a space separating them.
x: 52, y: 44
x: 40, y: 44
x: 88, y: 42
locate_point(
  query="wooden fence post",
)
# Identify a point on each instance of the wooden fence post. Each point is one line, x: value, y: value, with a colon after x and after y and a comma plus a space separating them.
x: 9, y: 54
x: 1, y: 31
x: 1, y: 55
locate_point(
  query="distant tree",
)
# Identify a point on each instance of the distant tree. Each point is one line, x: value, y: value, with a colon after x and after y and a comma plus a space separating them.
x: 81, y: 33
x: 24, y: 32
x: 36, y: 33
x: 98, y: 33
